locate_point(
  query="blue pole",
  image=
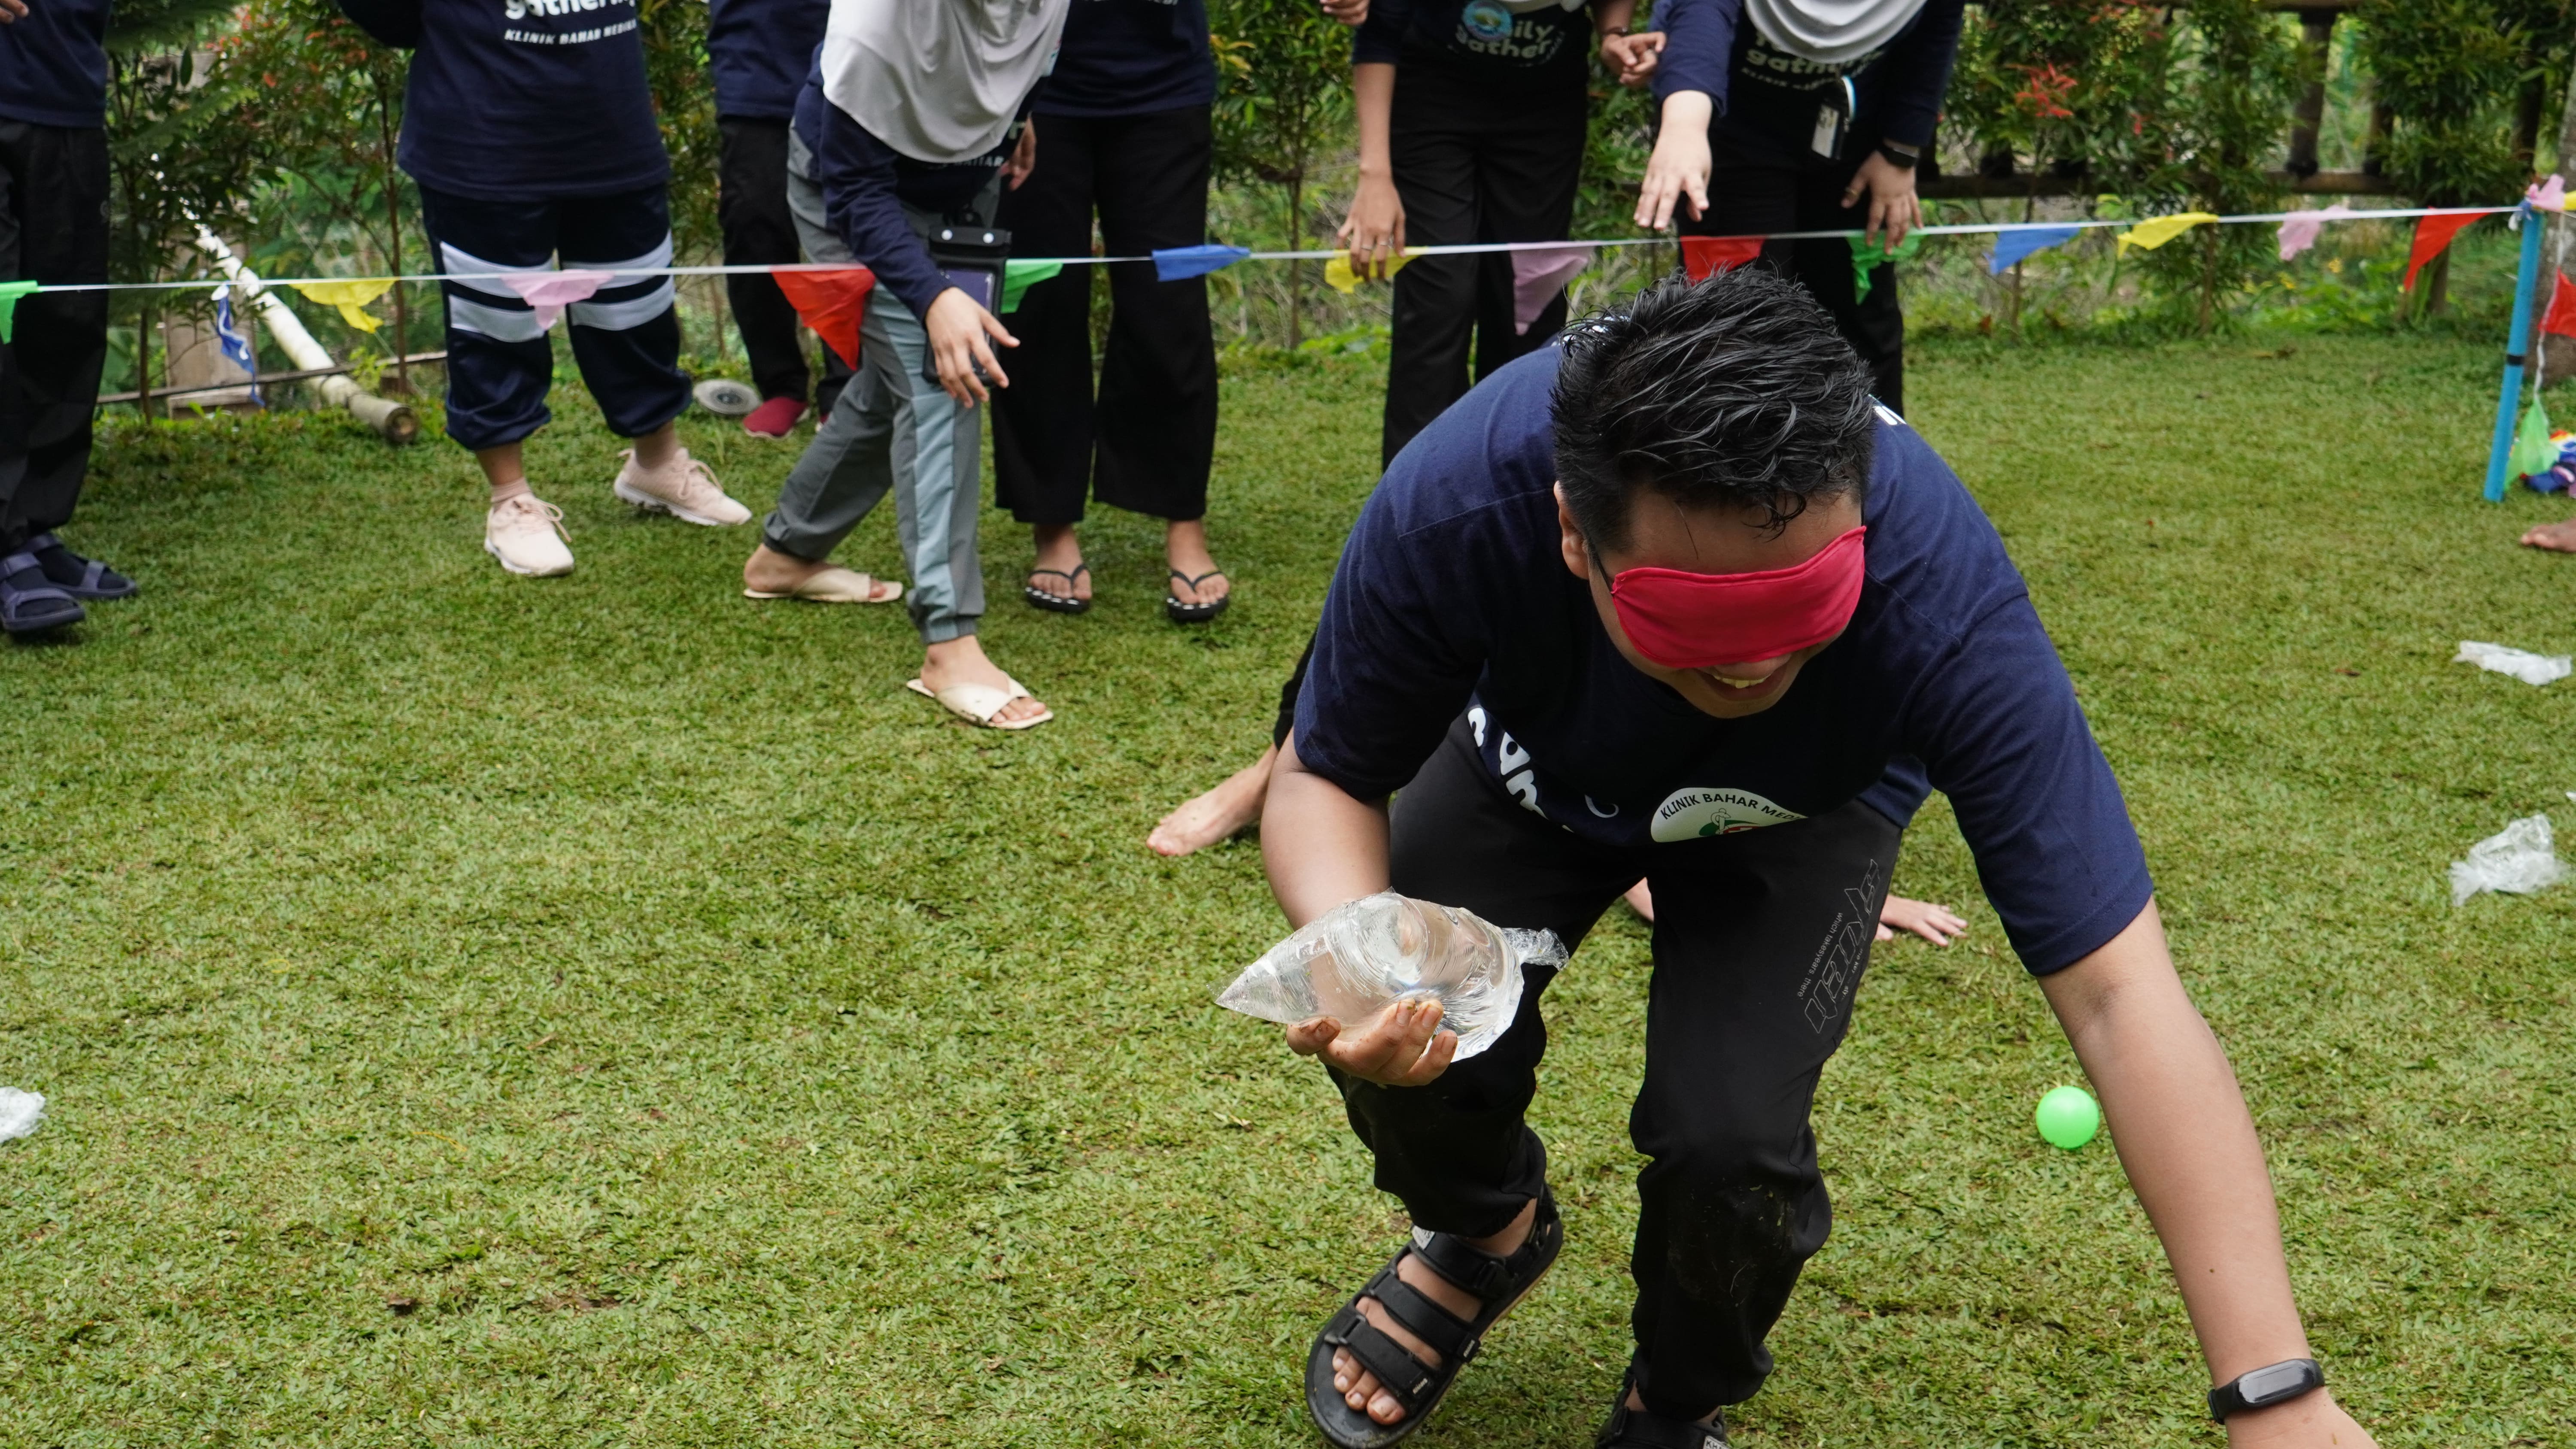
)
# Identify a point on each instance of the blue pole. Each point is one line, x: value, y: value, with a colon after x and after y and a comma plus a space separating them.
x: 2509, y: 401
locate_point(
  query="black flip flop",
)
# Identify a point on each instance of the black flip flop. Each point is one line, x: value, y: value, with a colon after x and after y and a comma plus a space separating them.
x: 1496, y: 1284
x: 1056, y: 603
x: 1636, y: 1429
x: 29, y: 604
x: 87, y: 577
x: 1181, y: 613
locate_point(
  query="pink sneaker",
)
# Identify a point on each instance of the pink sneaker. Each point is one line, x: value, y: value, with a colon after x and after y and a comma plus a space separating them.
x: 775, y: 418
x: 683, y: 488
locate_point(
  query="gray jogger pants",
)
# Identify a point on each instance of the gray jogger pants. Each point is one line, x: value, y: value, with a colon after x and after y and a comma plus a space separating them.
x: 891, y: 429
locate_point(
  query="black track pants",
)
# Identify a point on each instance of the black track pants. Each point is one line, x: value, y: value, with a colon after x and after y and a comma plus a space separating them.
x: 751, y: 207
x: 1147, y: 443
x: 1472, y: 164
x: 1752, y: 195
x: 53, y: 228
x: 1760, y: 940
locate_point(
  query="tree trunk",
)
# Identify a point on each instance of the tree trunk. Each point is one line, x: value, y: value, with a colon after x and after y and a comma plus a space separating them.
x: 145, y: 321
x: 1296, y: 269
x: 393, y: 233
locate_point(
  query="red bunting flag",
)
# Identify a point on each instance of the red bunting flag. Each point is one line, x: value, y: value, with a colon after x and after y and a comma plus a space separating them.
x: 2432, y: 233
x: 1704, y: 256
x: 831, y: 303
x: 2561, y: 316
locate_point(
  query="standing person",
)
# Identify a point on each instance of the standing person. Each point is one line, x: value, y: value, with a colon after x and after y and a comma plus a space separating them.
x: 1786, y: 115
x: 53, y: 229
x: 1126, y: 116
x: 909, y: 127
x: 530, y: 132
x: 758, y: 52
x: 1471, y: 118
x: 1674, y: 596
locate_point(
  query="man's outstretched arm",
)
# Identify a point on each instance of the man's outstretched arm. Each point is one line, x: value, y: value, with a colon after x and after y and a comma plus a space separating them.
x: 2188, y: 1143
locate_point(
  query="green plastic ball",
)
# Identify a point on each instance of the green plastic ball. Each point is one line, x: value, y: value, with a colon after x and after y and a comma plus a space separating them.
x: 2068, y: 1117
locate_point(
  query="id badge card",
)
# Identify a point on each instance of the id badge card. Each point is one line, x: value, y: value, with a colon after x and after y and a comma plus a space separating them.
x: 1828, y: 141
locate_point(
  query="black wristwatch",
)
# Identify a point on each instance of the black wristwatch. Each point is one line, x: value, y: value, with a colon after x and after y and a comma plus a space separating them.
x: 2263, y: 1387
x: 1903, y: 160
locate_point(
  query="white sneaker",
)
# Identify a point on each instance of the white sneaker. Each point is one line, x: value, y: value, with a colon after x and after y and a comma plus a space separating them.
x: 526, y: 534
x: 683, y: 488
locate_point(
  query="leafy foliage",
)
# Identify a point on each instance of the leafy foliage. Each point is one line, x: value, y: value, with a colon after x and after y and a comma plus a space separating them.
x: 2454, y: 73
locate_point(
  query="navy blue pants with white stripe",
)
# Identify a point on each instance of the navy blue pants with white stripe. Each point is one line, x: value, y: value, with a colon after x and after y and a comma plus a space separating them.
x: 626, y: 338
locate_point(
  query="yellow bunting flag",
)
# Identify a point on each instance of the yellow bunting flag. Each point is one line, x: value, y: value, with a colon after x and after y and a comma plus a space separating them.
x: 351, y: 297
x: 1339, y: 276
x: 2155, y: 233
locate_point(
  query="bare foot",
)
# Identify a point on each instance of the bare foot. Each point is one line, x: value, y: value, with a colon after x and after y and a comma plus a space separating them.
x: 772, y: 572
x: 962, y: 661
x: 1185, y: 548
x: 1218, y: 814
x: 1359, y: 1388
x: 1642, y: 901
x: 2556, y: 537
x: 1060, y: 554
x: 1939, y: 925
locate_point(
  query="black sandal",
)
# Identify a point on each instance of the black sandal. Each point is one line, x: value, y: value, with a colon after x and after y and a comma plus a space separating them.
x: 89, y: 579
x: 1056, y: 603
x: 1497, y: 1283
x: 29, y: 602
x: 1636, y: 1429
x: 1181, y: 613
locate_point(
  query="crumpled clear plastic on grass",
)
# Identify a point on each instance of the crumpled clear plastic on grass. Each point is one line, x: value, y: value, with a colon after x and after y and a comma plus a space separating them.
x: 2522, y: 664
x: 19, y: 1112
x: 1349, y: 962
x: 2516, y: 860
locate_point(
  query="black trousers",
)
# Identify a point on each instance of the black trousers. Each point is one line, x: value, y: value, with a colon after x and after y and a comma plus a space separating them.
x: 53, y: 228
x: 1146, y: 443
x: 1760, y: 941
x: 1751, y: 193
x: 751, y: 208
x: 1472, y: 164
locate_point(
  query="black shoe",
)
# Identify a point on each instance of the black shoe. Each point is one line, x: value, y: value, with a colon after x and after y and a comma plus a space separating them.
x: 29, y: 602
x: 1636, y: 1429
x: 82, y: 578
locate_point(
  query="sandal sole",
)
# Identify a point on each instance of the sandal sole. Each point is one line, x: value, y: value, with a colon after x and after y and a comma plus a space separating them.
x: 651, y: 504
x: 1319, y: 1357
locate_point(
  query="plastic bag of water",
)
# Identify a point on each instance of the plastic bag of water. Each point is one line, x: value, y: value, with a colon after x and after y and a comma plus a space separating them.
x: 1354, y: 959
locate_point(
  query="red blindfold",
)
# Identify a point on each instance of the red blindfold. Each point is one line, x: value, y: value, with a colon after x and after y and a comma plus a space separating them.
x: 1684, y: 620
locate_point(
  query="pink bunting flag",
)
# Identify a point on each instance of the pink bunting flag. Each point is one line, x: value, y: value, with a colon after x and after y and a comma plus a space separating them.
x: 2299, y: 230
x: 2548, y: 195
x: 1538, y: 274
x: 550, y: 292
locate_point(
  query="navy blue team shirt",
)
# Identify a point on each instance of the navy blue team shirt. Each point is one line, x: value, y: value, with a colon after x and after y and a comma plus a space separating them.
x: 1452, y: 596
x: 867, y: 183
x: 1130, y: 58
x: 1767, y: 97
x: 53, y: 64
x: 522, y: 100
x: 1482, y: 39
x: 758, y: 52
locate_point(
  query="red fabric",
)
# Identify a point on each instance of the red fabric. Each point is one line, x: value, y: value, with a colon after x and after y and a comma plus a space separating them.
x: 1683, y: 620
x: 2432, y: 233
x: 832, y: 304
x: 2561, y: 316
x: 1703, y: 256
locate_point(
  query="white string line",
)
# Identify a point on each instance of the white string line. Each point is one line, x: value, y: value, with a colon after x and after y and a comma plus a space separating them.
x: 622, y: 277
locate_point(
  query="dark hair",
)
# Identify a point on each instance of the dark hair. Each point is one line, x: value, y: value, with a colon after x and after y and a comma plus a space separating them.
x: 1735, y: 391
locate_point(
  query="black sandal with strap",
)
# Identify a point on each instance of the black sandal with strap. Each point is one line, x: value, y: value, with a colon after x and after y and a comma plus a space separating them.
x: 1180, y: 612
x: 1636, y: 1429
x: 1496, y: 1283
x: 1056, y: 603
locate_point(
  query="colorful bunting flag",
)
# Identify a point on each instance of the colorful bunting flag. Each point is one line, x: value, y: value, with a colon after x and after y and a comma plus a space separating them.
x: 351, y: 296
x: 1538, y: 274
x: 2299, y: 231
x: 10, y: 292
x: 2011, y: 247
x: 2432, y: 234
x: 1179, y: 264
x: 1018, y: 277
x: 2561, y: 316
x: 550, y: 292
x: 1705, y: 256
x: 1868, y: 256
x: 832, y: 303
x: 2159, y: 230
x: 2549, y: 194
x: 2533, y: 453
x: 1339, y: 276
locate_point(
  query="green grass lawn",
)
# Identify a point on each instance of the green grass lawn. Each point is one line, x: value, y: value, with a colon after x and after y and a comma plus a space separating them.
x: 607, y: 1011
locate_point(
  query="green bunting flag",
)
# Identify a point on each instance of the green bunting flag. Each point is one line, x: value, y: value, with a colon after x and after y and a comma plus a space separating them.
x: 10, y: 292
x: 2532, y: 453
x: 1868, y: 256
x: 1018, y: 277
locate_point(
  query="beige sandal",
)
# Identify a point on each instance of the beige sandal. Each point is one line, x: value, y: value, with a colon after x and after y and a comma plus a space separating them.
x: 980, y: 702
x: 833, y: 585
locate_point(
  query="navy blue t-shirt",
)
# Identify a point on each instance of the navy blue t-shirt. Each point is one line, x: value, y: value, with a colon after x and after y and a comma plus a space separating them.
x: 1516, y: 43
x: 53, y: 64
x: 1453, y: 596
x: 1129, y: 58
x: 758, y: 52
x: 867, y: 183
x: 527, y: 100
x: 1767, y: 96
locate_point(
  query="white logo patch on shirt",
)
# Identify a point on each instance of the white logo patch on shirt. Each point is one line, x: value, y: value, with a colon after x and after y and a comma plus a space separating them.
x: 1697, y: 810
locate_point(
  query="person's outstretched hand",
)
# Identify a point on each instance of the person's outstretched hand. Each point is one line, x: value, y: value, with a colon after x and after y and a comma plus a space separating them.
x: 1893, y: 207
x: 2310, y: 1421
x: 1939, y: 925
x: 1348, y: 12
x: 1374, y: 231
x: 1403, y: 1046
x: 1024, y: 156
x: 958, y: 329
x: 1677, y: 173
x: 11, y: 10
x: 1633, y: 58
